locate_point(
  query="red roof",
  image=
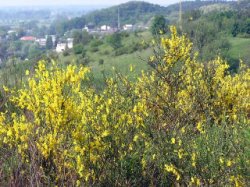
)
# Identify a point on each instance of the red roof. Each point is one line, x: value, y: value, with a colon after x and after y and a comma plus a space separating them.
x: 28, y: 38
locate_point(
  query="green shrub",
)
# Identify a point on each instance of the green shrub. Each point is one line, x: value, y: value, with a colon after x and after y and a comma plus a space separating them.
x: 78, y: 48
x: 185, y: 123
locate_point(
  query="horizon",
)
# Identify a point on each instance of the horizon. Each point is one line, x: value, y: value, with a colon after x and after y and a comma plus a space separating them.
x: 62, y: 3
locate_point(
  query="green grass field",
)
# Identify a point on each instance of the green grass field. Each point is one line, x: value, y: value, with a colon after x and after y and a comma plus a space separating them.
x: 122, y: 63
x: 240, y: 48
x: 12, y: 75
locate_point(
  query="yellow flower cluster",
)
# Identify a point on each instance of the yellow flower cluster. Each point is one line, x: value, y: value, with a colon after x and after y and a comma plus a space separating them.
x: 184, y: 119
x: 172, y: 169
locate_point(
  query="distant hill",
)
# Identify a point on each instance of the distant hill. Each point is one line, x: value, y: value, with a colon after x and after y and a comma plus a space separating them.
x: 135, y: 12
x: 131, y: 12
x: 139, y: 12
x: 194, y: 5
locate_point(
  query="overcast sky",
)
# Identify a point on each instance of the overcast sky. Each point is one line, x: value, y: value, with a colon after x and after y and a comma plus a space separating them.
x: 74, y: 2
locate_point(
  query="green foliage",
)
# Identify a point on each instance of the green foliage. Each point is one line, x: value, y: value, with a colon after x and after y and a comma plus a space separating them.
x: 59, y: 27
x: 235, y: 29
x: 131, y: 48
x: 66, y: 53
x: 96, y: 43
x: 219, y: 47
x: 81, y: 37
x: 114, y: 40
x: 84, y: 52
x: 101, y: 62
x: 183, y: 123
x: 159, y: 25
x: 49, y: 43
x: 34, y: 51
x: 130, y: 13
x: 246, y: 28
x: 94, y: 49
x: 78, y: 49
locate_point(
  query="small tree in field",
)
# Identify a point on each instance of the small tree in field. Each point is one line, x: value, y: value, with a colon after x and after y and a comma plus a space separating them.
x: 49, y: 43
x: 159, y: 25
x: 115, y: 40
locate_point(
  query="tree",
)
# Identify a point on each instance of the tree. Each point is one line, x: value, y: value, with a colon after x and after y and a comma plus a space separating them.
x: 247, y: 26
x: 235, y: 29
x: 159, y: 25
x: 78, y: 49
x: 20, y: 33
x: 13, y: 36
x: 115, y: 40
x: 77, y: 37
x: 34, y: 51
x: 49, y: 43
x: 81, y: 37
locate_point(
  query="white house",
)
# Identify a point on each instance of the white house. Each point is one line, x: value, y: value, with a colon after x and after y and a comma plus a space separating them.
x: 86, y: 28
x: 61, y: 47
x: 11, y: 31
x: 89, y: 28
x: 128, y: 27
x: 41, y: 41
x: 70, y: 43
x: 105, y: 28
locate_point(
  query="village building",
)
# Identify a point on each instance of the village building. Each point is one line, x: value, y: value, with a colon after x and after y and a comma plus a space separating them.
x: 105, y: 28
x: 11, y: 31
x: 28, y: 38
x: 89, y: 28
x: 61, y: 47
x: 128, y: 27
x: 85, y: 28
x: 70, y: 43
x: 41, y: 41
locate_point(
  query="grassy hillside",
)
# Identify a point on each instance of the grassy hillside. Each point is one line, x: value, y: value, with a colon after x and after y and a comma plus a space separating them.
x: 13, y: 74
x: 240, y: 48
x: 111, y: 61
x: 210, y: 33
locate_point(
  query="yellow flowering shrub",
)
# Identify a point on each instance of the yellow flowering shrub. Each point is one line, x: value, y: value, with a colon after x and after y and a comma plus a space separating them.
x: 185, y: 122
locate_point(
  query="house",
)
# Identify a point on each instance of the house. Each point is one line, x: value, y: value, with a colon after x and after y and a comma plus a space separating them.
x: 89, y: 28
x: 128, y: 27
x: 11, y: 31
x: 41, y: 41
x: 28, y: 38
x: 70, y: 43
x: 85, y: 28
x: 105, y: 28
x: 61, y: 47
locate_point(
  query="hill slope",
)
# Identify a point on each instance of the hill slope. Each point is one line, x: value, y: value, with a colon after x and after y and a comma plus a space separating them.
x: 139, y: 12
x: 131, y: 12
x: 135, y: 12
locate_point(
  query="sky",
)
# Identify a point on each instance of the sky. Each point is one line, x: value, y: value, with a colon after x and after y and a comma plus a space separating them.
x: 75, y: 2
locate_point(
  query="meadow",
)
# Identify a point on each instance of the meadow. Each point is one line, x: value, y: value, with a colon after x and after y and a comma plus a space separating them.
x: 240, y: 48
